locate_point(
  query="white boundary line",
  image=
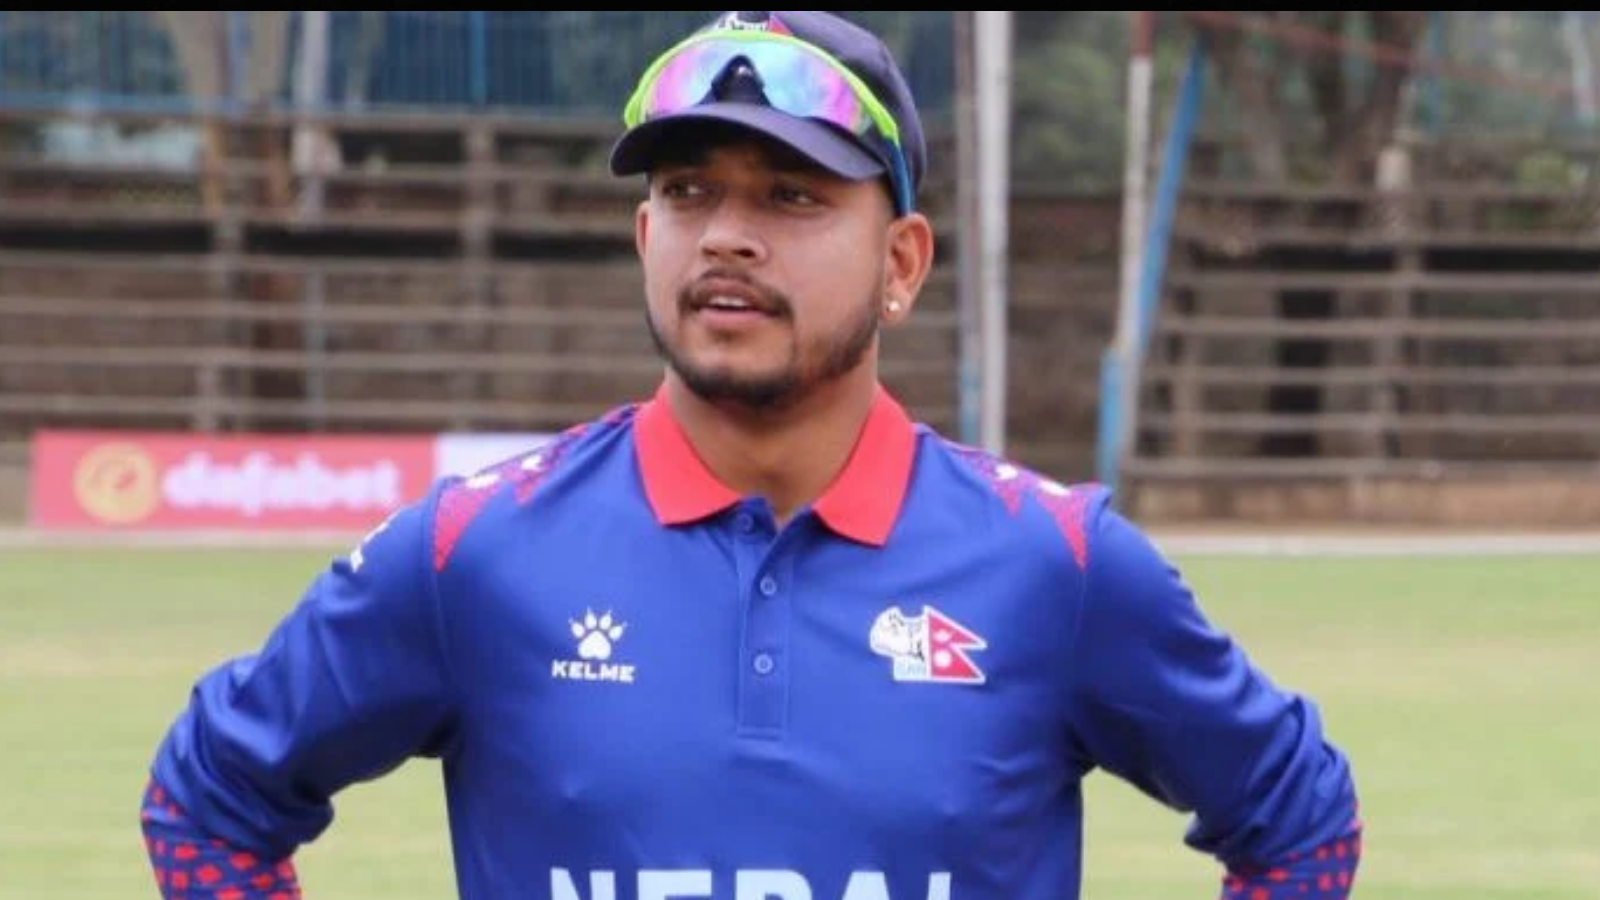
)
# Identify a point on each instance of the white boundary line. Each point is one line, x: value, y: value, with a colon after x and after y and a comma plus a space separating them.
x: 1407, y: 544
x: 20, y: 538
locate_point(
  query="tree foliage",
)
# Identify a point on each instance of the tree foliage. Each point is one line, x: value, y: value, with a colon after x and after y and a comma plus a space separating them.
x: 1266, y: 60
x: 1304, y: 95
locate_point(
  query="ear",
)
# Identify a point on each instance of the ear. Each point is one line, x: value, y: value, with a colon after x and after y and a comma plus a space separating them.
x: 641, y: 227
x: 908, y: 260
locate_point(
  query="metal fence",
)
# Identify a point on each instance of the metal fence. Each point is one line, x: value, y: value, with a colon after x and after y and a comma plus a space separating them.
x: 549, y: 63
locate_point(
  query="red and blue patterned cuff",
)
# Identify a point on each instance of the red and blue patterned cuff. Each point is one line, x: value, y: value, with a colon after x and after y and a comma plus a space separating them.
x: 191, y: 866
x: 1326, y: 873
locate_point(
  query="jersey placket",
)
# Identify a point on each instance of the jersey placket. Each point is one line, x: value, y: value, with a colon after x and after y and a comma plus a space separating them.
x: 767, y: 592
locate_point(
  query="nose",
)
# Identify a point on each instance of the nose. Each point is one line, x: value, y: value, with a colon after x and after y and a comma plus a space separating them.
x: 731, y: 234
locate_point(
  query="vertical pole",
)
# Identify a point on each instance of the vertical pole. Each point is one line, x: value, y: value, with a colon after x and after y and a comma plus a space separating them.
x: 993, y: 33
x: 1114, y: 428
x: 1435, y: 88
x: 310, y: 156
x: 969, y: 377
x: 1583, y: 99
x: 310, y: 95
x: 237, y: 29
x: 1121, y: 372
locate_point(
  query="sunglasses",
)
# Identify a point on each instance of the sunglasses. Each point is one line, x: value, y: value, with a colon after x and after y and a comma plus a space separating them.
x: 797, y: 78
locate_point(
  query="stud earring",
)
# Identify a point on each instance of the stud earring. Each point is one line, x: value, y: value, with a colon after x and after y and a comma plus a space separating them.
x: 894, y: 306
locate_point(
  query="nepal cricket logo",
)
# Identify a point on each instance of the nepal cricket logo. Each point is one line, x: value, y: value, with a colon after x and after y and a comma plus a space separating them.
x: 930, y: 647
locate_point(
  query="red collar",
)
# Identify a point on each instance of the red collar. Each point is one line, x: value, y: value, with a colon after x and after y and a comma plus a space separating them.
x: 861, y: 504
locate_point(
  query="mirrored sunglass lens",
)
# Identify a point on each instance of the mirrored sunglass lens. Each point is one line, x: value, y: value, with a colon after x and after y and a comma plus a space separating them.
x: 795, y: 81
x: 685, y: 79
x: 800, y: 83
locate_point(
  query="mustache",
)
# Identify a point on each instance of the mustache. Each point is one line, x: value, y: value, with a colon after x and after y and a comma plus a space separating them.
x: 715, y: 282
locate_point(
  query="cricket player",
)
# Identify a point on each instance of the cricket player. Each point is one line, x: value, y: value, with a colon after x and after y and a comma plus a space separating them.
x: 758, y: 635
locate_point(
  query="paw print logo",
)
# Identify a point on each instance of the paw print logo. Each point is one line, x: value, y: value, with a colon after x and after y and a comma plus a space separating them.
x: 596, y: 635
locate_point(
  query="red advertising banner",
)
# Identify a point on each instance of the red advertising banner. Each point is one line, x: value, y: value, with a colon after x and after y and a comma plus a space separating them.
x: 137, y: 481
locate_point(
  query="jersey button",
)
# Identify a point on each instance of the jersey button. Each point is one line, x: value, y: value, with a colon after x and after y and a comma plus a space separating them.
x: 763, y: 664
x: 769, y: 586
x: 744, y: 523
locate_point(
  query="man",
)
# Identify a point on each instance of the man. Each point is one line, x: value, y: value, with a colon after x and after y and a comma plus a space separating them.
x: 759, y: 637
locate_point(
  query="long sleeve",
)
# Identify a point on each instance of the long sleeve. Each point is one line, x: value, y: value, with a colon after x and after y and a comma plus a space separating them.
x: 1172, y: 704
x: 351, y: 683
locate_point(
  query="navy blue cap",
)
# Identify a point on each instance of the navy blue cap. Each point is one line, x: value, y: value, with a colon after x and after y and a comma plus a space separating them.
x: 847, y: 155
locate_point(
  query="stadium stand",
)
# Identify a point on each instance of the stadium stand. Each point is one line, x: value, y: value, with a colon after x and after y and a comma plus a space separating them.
x: 446, y: 253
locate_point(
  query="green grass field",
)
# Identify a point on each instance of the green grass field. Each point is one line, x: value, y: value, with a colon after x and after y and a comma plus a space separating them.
x: 1466, y: 689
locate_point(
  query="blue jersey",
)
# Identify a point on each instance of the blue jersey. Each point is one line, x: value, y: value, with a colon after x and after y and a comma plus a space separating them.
x: 639, y: 688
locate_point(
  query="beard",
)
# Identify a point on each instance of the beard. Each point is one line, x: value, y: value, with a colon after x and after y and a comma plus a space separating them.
x: 826, y: 359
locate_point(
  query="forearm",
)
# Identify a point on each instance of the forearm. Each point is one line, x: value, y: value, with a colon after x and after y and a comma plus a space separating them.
x: 191, y: 865
x: 1326, y: 873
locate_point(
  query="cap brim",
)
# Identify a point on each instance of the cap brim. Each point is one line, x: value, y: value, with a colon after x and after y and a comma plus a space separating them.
x: 638, y: 149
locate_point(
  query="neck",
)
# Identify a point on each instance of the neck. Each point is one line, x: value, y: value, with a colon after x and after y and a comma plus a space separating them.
x: 789, y: 456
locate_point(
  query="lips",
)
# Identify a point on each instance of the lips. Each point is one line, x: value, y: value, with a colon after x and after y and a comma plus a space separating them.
x: 726, y: 295
x: 729, y: 304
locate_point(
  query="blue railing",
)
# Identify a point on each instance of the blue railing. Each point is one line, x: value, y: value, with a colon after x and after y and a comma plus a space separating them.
x: 550, y: 63
x: 73, y: 58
